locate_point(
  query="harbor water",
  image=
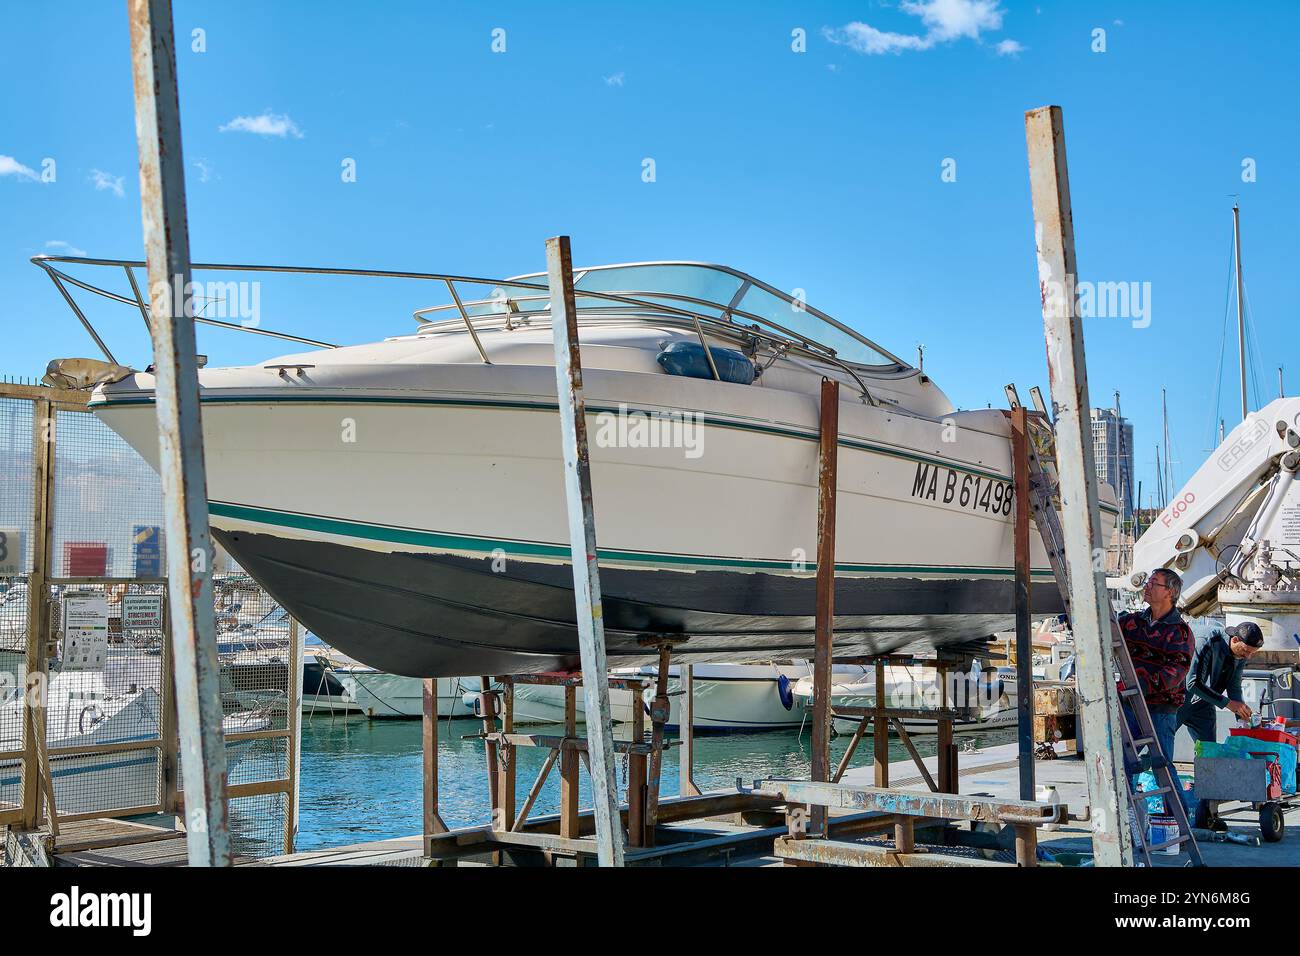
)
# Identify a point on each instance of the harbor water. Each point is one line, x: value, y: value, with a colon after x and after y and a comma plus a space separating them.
x: 361, y: 778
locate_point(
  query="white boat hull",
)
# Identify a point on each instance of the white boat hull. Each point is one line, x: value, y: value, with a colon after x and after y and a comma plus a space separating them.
x: 380, y: 695
x: 455, y: 558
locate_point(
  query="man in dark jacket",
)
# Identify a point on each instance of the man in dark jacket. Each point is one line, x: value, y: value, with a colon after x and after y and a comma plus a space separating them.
x: 1161, y: 645
x: 1214, y: 679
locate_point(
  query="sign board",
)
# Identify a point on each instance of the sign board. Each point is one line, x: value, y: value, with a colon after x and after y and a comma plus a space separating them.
x: 11, y: 551
x: 142, y: 612
x: 85, y: 559
x: 85, y: 631
x: 146, y: 551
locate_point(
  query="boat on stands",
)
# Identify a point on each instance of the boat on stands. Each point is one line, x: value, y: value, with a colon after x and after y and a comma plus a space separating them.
x: 432, y: 539
x: 379, y: 694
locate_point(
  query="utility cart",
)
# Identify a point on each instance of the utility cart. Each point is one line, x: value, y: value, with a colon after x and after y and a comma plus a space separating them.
x: 1242, y: 780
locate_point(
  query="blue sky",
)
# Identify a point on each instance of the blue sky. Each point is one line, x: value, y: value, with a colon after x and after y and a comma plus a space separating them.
x: 819, y: 170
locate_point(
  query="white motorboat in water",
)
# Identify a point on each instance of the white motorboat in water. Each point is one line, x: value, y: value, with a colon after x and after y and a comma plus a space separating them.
x: 742, y: 697
x: 432, y: 537
x: 992, y: 698
x: 379, y: 694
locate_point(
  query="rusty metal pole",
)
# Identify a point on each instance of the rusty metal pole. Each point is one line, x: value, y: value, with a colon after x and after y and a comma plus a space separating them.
x: 1024, y: 640
x: 582, y: 543
x: 1080, y: 516
x: 827, y: 468
x: 433, y: 824
x: 180, y: 431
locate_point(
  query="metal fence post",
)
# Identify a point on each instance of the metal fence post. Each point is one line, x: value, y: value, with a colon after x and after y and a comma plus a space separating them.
x: 582, y: 542
x: 1080, y: 516
x: 180, y: 432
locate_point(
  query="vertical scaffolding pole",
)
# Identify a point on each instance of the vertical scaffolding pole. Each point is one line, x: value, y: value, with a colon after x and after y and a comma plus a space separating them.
x: 180, y: 431
x: 582, y: 543
x: 1024, y: 642
x: 1080, y: 516
x: 827, y: 461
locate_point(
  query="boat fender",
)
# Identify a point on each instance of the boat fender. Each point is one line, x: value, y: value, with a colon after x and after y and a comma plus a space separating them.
x: 687, y: 358
x: 785, y: 691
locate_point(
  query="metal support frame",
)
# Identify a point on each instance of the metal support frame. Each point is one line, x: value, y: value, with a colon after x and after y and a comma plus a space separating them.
x: 823, y: 651
x: 905, y: 807
x: 180, y: 430
x: 1024, y: 622
x: 1080, y: 517
x: 582, y: 544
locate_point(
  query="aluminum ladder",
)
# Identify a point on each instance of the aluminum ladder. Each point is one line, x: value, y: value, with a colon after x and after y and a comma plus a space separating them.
x: 1043, y: 488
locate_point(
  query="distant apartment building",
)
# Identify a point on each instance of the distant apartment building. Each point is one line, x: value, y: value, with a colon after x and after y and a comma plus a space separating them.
x: 1112, y: 447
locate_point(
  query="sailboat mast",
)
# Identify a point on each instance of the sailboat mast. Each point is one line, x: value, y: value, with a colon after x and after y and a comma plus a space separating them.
x: 1241, y: 312
x: 1160, y: 481
x: 1168, y: 488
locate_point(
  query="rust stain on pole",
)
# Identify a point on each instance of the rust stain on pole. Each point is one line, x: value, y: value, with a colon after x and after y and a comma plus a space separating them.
x: 827, y: 470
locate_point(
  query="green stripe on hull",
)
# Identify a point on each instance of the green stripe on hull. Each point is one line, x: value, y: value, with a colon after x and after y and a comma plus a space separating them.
x: 452, y: 542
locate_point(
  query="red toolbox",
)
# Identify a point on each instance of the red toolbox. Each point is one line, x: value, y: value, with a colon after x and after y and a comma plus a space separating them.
x: 1272, y: 734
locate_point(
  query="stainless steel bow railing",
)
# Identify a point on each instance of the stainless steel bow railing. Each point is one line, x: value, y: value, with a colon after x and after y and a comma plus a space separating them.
x: 641, y: 305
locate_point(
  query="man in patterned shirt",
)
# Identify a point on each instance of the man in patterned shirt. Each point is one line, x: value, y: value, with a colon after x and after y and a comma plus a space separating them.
x: 1161, y: 645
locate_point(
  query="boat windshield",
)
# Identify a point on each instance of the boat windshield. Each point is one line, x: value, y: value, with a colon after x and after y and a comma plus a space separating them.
x: 717, y: 292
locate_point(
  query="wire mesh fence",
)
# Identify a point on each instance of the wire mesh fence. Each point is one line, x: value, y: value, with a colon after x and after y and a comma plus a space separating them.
x: 108, y: 504
x: 104, y: 687
x: 17, y: 491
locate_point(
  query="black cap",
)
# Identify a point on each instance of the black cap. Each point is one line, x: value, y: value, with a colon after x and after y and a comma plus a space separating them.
x: 1248, y: 633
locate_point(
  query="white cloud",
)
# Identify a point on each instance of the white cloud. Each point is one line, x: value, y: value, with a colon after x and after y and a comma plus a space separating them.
x: 61, y: 248
x: 1010, y: 48
x: 204, y: 167
x: 863, y: 38
x: 267, y: 124
x: 615, y: 80
x: 103, y: 180
x: 945, y: 21
x: 11, y: 167
x: 951, y: 19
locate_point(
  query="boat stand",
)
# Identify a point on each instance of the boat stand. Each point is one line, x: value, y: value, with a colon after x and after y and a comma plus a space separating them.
x: 567, y: 838
x: 881, y: 717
